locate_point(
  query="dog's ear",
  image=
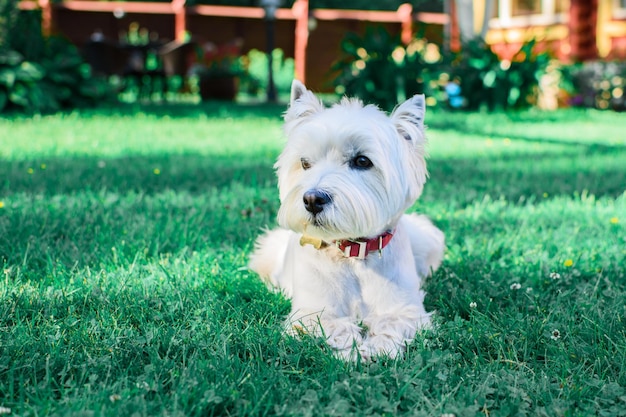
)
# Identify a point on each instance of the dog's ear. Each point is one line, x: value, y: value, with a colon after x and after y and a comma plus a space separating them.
x: 303, y: 102
x: 297, y: 90
x: 409, y: 119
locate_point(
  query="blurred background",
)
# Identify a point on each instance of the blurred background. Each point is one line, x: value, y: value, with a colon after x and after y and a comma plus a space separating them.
x: 464, y: 55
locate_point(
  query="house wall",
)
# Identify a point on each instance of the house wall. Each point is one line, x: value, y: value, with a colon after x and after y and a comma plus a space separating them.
x: 611, y: 30
x: 553, y: 38
x: 590, y: 29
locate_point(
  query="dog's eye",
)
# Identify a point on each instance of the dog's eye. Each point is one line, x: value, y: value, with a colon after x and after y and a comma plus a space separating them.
x: 361, y: 162
x: 306, y: 164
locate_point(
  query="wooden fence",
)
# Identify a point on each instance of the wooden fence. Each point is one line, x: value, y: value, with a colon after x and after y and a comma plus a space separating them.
x: 311, y: 36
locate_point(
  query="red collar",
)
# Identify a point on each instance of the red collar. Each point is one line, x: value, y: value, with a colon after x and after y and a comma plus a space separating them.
x: 360, y: 248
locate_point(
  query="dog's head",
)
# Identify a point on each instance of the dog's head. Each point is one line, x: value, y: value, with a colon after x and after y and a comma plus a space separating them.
x: 350, y: 170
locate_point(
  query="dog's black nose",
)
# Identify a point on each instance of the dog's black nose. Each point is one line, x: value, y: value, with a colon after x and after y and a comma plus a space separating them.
x: 315, y: 200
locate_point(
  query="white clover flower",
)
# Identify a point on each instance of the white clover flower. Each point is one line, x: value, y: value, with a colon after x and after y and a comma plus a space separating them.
x: 516, y: 286
x: 473, y: 304
x: 555, y: 275
x: 556, y: 334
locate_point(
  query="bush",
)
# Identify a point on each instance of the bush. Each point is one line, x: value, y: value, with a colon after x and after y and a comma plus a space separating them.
x: 598, y: 84
x: 379, y: 69
x: 41, y: 74
x: 254, y: 81
x: 60, y: 79
x: 486, y: 80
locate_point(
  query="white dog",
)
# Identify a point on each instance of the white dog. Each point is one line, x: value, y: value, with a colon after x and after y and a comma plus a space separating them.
x: 347, y: 255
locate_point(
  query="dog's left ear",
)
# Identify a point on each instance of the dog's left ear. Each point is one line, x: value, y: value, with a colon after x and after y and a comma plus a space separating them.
x: 408, y: 118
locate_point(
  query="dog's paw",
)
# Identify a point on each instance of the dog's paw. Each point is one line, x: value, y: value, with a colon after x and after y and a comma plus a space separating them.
x: 341, y: 334
x: 381, y: 345
x: 348, y: 355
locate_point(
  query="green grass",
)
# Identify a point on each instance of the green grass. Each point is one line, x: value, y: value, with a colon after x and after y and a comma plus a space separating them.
x: 124, y: 235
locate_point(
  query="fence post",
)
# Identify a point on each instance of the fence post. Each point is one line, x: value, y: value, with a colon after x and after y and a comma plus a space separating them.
x: 405, y: 15
x: 46, y: 17
x: 180, y: 19
x: 300, y: 11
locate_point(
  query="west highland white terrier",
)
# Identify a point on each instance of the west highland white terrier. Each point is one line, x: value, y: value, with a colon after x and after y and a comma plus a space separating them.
x: 346, y: 254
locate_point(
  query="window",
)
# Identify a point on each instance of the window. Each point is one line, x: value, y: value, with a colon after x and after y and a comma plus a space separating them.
x: 619, y: 9
x: 522, y: 13
x: 562, y: 6
x: 525, y: 7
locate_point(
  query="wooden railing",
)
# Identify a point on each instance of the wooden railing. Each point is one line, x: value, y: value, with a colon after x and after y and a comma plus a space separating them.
x: 299, y: 13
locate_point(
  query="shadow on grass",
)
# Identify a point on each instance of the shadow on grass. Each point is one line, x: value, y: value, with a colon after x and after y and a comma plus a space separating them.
x: 216, y: 109
x: 511, y: 175
x: 567, y: 128
x: 190, y: 173
x: 241, y: 195
x: 464, y: 181
x: 544, y: 140
x: 88, y: 212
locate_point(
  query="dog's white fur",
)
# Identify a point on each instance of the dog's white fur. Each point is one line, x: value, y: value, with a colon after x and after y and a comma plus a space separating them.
x: 372, y: 305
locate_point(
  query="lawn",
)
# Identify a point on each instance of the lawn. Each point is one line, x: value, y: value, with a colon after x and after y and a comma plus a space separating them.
x: 124, y: 236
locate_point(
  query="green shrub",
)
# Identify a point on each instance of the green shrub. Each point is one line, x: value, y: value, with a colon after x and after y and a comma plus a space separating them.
x: 60, y: 79
x: 486, y: 80
x: 254, y: 81
x: 379, y: 69
x: 598, y: 85
x: 41, y: 74
x: 8, y: 19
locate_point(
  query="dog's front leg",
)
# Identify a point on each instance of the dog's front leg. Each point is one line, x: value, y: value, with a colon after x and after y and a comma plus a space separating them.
x: 340, y: 333
x: 323, y: 303
x: 389, y: 333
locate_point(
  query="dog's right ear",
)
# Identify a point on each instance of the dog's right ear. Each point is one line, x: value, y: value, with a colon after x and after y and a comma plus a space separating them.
x: 409, y: 119
x: 303, y: 102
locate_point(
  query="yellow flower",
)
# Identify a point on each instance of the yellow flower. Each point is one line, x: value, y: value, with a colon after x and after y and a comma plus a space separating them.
x: 614, y: 220
x: 545, y: 195
x: 157, y: 171
x: 30, y: 170
x: 1, y: 204
x: 43, y: 166
x: 568, y: 263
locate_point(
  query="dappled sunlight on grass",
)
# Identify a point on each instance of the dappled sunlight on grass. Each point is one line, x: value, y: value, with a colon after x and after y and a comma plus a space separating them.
x: 125, y: 232
x: 572, y: 126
